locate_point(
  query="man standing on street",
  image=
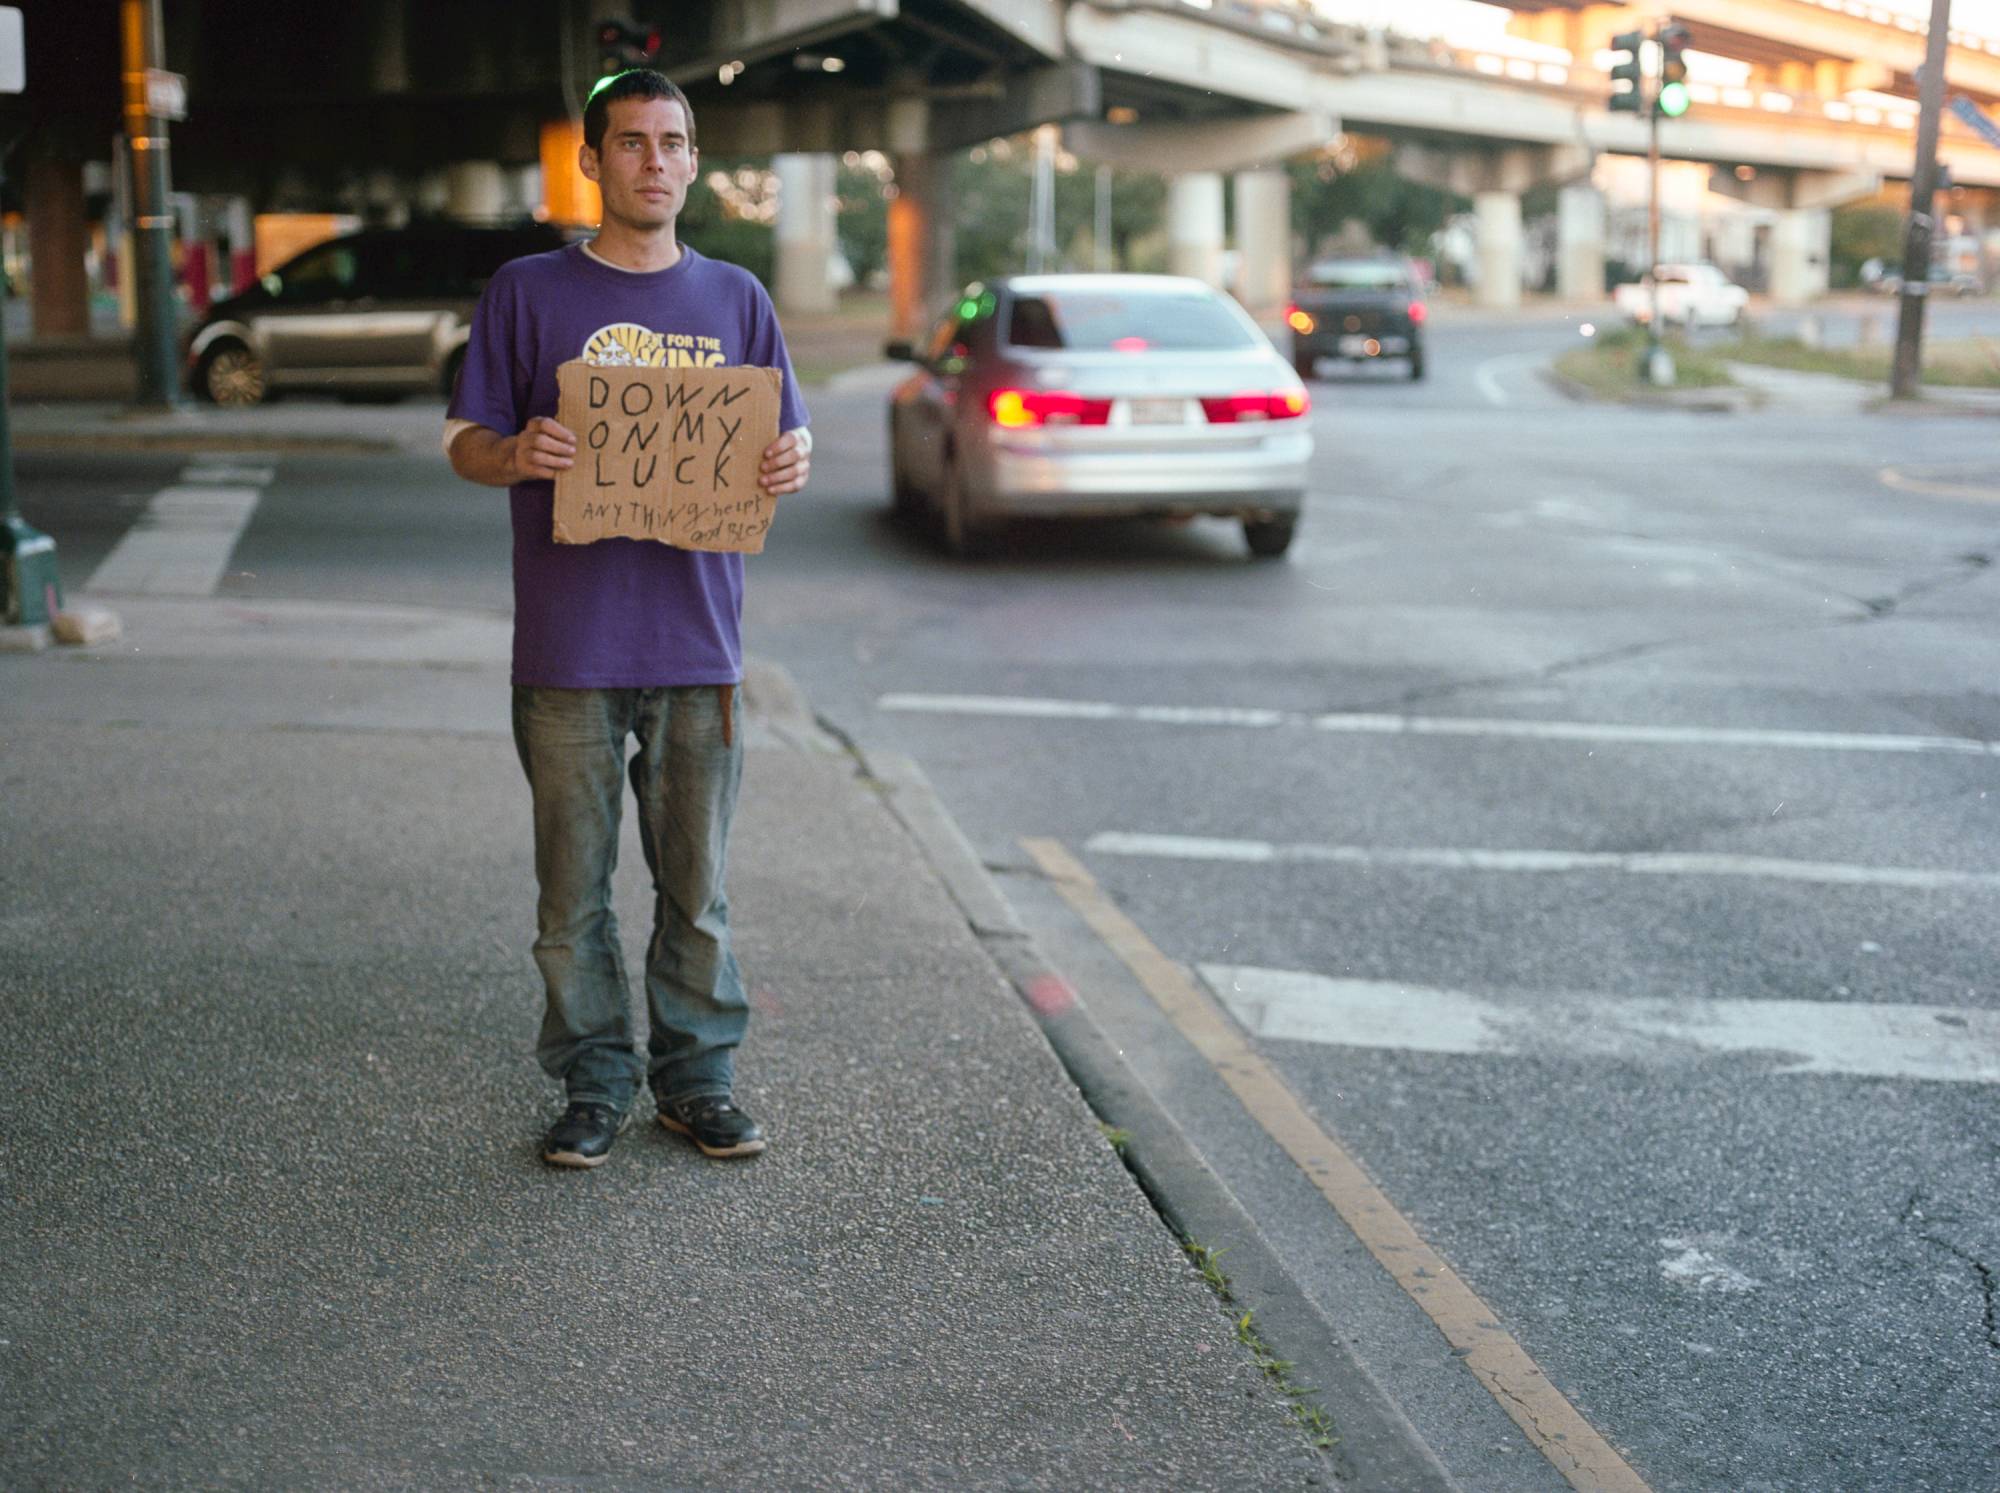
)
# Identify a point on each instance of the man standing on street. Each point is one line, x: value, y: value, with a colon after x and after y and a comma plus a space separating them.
x: 625, y: 638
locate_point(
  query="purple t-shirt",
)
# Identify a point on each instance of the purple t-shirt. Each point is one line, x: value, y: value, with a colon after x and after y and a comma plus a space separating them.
x: 617, y: 612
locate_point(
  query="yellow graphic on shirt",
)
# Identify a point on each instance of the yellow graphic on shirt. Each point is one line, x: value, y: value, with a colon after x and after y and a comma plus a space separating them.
x: 626, y: 344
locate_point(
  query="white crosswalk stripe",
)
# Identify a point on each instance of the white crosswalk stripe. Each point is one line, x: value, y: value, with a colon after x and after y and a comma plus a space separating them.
x: 1636, y: 863
x: 1371, y: 724
x: 181, y: 544
x: 1942, y: 1043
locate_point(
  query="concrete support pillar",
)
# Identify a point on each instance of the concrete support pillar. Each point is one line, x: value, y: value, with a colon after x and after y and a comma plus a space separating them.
x: 1498, y: 215
x: 1194, y: 225
x: 58, y: 240
x: 1801, y: 251
x: 1264, y: 239
x: 475, y: 191
x: 922, y: 248
x: 923, y: 251
x: 806, y: 240
x: 1580, y: 242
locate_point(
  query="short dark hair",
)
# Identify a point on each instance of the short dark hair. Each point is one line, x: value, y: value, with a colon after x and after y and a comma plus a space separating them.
x: 638, y: 82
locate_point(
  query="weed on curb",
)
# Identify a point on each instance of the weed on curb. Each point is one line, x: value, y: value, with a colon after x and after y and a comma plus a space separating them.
x: 1311, y: 1418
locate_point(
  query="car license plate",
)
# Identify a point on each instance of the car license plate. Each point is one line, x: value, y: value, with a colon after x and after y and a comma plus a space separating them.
x: 1159, y: 412
x: 1355, y: 347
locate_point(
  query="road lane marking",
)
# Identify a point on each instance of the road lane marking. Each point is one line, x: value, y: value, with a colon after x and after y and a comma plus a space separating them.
x: 1571, y: 1444
x: 1368, y: 724
x: 1486, y: 374
x: 1636, y: 863
x: 1930, y: 487
x: 1085, y: 710
x: 1948, y: 1044
x: 232, y: 474
x: 181, y: 544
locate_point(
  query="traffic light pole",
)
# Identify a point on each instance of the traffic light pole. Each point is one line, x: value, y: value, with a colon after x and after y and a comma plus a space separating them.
x: 1907, y: 374
x: 30, y: 588
x: 1658, y: 362
x: 152, y: 214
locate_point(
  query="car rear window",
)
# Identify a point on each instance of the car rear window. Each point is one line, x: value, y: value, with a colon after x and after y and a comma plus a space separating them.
x: 1358, y: 276
x: 1125, y: 321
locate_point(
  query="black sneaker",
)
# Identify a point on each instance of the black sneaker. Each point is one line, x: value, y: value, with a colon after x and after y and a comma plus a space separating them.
x: 583, y: 1136
x: 713, y: 1122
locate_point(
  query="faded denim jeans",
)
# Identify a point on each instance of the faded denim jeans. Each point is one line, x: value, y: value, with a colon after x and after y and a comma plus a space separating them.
x: 684, y: 773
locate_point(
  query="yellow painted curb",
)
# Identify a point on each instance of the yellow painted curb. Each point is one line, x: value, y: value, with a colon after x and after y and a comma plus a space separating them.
x: 1572, y: 1445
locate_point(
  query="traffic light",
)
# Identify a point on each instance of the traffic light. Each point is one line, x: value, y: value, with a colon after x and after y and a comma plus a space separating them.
x: 1673, y: 100
x: 626, y: 45
x: 1628, y: 69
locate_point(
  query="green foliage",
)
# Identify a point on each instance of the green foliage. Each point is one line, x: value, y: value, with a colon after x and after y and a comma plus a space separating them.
x: 1861, y: 233
x: 863, y: 221
x: 1395, y: 213
x: 991, y: 194
x: 706, y: 223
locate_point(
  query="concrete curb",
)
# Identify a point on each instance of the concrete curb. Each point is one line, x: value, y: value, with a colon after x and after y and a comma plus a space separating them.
x: 1376, y: 1448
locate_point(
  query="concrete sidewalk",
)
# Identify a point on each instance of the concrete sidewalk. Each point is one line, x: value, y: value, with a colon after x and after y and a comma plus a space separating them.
x: 276, y: 1213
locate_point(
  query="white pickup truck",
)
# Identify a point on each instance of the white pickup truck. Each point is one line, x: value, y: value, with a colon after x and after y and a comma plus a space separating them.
x: 1691, y: 295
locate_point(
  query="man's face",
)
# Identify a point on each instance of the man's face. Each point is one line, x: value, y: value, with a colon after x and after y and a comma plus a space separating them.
x: 646, y: 165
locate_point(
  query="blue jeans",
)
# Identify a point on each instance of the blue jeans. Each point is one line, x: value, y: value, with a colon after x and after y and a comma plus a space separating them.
x: 684, y: 773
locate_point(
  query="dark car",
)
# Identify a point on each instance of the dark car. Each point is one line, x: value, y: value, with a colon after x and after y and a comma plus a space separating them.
x: 379, y: 313
x: 1357, y: 310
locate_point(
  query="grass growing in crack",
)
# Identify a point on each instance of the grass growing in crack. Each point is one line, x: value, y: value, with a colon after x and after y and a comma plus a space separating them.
x: 1310, y: 1418
x: 1117, y: 1139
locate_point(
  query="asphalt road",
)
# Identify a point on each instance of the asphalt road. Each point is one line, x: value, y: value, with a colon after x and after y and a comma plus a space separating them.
x: 1652, y: 982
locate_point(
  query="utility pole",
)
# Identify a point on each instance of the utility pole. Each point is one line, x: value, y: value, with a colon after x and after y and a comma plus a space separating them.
x: 30, y: 588
x: 152, y: 215
x: 1659, y: 362
x: 1907, y: 374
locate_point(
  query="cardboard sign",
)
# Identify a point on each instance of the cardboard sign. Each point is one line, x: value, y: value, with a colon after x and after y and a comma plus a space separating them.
x: 667, y: 453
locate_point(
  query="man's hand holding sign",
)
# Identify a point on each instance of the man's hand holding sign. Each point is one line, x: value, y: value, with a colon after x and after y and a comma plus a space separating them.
x: 661, y: 455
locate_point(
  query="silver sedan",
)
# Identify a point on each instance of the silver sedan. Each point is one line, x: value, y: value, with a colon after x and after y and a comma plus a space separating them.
x: 1098, y: 396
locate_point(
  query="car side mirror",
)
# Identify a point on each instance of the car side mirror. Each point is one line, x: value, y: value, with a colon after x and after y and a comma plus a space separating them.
x: 899, y: 352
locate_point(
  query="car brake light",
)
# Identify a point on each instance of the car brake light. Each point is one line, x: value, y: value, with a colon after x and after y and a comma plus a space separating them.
x: 1418, y: 311
x: 1234, y: 409
x: 1023, y: 409
x: 1299, y: 321
x: 1130, y: 345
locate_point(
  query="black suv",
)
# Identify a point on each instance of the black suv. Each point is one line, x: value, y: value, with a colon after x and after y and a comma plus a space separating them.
x: 380, y: 313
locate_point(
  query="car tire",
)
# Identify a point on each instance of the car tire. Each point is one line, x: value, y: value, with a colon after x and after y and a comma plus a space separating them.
x: 1416, y: 366
x: 1269, y: 538
x: 962, y: 538
x: 1306, y: 365
x: 906, y: 505
x: 231, y: 376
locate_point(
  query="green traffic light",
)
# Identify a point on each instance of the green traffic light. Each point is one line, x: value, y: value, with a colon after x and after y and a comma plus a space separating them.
x: 1674, y: 100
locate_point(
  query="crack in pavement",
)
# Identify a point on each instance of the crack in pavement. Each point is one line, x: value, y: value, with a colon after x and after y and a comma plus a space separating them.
x: 1546, y: 672
x: 1970, y: 567
x: 1989, y: 1287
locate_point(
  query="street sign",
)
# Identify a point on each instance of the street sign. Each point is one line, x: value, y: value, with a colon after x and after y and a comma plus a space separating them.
x: 166, y: 94
x: 13, y: 51
x: 1981, y: 122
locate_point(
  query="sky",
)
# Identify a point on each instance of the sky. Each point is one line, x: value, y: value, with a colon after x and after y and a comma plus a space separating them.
x: 1466, y: 22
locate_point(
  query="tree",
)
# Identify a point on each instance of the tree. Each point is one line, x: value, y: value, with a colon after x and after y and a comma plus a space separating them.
x: 1337, y: 189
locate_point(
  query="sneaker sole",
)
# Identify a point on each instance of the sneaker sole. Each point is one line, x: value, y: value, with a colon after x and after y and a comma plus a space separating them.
x: 574, y: 1158
x: 744, y: 1148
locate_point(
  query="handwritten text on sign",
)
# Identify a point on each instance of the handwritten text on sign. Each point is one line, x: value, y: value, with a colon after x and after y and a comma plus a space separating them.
x: 666, y: 453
